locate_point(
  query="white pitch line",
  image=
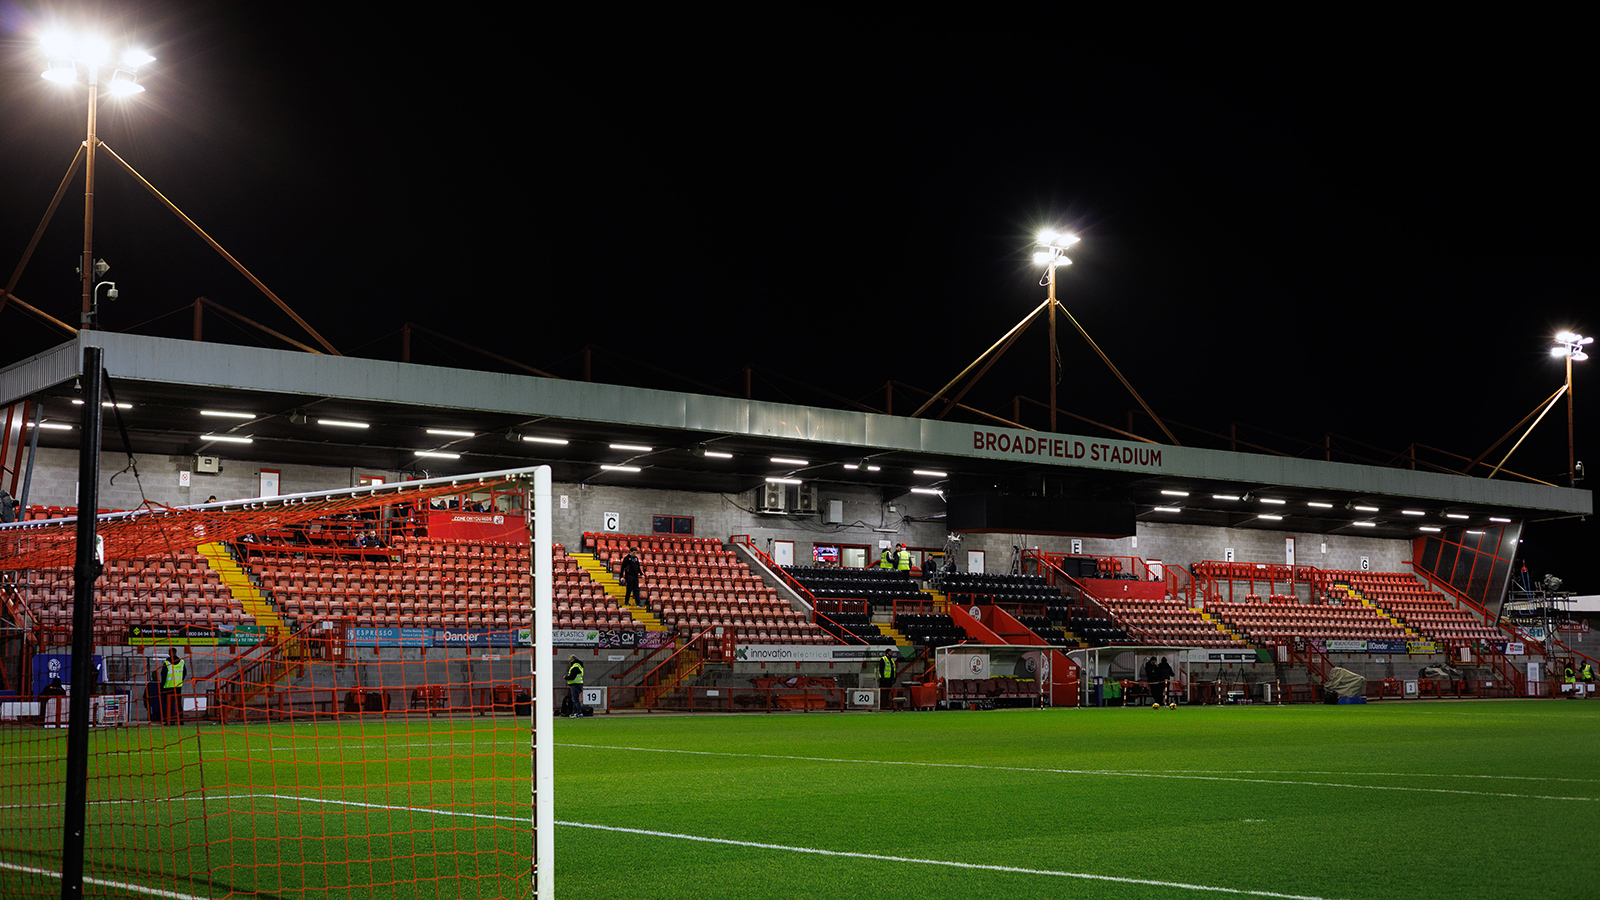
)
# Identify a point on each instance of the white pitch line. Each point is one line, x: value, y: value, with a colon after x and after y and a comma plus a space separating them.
x: 1378, y: 774
x: 816, y: 851
x: 122, y: 885
x: 945, y: 862
x: 1104, y: 772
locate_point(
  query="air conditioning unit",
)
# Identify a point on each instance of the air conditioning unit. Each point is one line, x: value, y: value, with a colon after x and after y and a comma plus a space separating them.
x: 808, y: 499
x: 210, y: 465
x: 771, y: 497
x: 833, y: 512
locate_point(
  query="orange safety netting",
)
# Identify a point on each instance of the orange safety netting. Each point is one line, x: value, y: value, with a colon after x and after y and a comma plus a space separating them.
x: 146, y: 533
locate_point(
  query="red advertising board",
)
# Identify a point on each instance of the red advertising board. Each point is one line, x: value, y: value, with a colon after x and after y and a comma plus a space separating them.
x: 457, y: 525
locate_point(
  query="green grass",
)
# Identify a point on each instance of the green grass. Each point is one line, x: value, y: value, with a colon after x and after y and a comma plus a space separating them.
x: 1460, y: 800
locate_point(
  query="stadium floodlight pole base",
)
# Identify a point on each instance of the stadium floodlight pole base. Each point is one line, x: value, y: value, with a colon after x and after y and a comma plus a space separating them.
x: 543, y: 663
x: 86, y: 570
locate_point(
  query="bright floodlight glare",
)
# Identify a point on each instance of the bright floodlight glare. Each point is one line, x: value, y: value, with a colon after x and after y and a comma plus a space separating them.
x: 56, y: 43
x: 1040, y: 257
x: 1047, y: 236
x: 1566, y: 336
x: 1557, y: 352
x: 92, y: 50
x: 123, y: 85
x: 133, y: 59
x: 61, y: 72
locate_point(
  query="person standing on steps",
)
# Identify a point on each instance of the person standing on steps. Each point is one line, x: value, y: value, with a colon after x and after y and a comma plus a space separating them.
x: 630, y: 577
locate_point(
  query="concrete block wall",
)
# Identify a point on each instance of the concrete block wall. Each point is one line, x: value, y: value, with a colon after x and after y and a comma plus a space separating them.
x: 55, y: 479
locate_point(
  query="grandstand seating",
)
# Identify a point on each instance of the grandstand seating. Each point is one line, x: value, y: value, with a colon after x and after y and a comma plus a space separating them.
x: 1091, y: 628
x: 983, y: 587
x: 694, y: 583
x: 875, y: 586
x: 179, y: 591
x: 929, y: 629
x: 1284, y: 618
x: 1169, y: 621
x: 415, y: 583
x: 853, y: 628
x: 1402, y: 596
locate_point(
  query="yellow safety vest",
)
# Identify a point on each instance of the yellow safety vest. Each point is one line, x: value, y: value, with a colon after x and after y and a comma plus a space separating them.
x: 173, y: 673
x: 885, y: 667
x: 886, y: 561
x: 575, y: 673
x: 904, y: 562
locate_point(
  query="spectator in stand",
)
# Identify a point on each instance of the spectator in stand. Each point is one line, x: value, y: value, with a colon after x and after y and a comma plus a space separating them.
x: 630, y: 577
x: 886, y: 559
x: 930, y: 569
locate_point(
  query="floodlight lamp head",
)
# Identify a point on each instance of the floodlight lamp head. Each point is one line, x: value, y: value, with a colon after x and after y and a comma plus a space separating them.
x: 1566, y: 337
x: 124, y: 85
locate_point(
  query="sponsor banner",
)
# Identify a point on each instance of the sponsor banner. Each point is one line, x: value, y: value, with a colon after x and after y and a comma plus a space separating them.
x: 1386, y: 646
x: 387, y: 637
x: 240, y: 635
x: 804, y: 653
x: 1347, y: 646
x: 1509, y: 648
x: 472, y: 637
x: 1574, y: 626
x: 174, y: 635
x: 1222, y: 656
x: 1421, y: 647
x: 603, y: 638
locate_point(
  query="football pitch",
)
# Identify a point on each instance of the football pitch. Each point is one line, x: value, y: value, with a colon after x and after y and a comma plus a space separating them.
x: 1389, y: 800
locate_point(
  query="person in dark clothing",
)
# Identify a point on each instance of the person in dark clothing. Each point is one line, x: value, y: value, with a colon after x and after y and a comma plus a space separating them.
x: 1158, y: 683
x: 630, y: 576
x: 53, y: 689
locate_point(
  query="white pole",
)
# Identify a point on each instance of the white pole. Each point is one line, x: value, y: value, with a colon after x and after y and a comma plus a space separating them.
x: 543, y: 663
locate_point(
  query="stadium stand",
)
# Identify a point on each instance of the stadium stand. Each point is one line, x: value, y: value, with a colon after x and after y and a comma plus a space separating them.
x: 694, y: 584
x: 871, y: 586
x: 1282, y: 619
x: 1413, y: 603
x: 1170, y: 621
x: 177, y: 591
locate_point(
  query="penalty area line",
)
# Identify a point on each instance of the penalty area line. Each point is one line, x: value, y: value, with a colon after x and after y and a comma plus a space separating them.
x: 985, y: 867
x: 103, y: 882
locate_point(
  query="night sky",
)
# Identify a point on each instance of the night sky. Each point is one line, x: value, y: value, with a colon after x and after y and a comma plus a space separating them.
x: 1350, y: 226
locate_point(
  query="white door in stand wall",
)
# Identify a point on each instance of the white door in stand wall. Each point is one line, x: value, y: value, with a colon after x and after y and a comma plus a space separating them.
x: 975, y: 561
x: 783, y: 553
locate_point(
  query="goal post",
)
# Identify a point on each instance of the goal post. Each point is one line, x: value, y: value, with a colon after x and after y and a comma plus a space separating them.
x: 314, y: 755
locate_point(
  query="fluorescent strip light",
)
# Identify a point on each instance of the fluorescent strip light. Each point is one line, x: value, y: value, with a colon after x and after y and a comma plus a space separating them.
x: 930, y: 472
x: 791, y: 462
x: 544, y: 440
x: 638, y: 448
x: 1498, y: 519
x: 1367, y: 508
x: 1456, y: 516
x: 108, y: 404
x: 1412, y: 512
x: 874, y: 468
x: 224, y: 414
x: 1429, y: 527
x: 341, y: 423
x: 1271, y: 518
x: 225, y: 438
x: 1167, y: 508
x: 1224, y: 496
x: 1474, y: 532
x: 447, y: 432
x: 52, y: 426
x: 773, y: 479
x: 925, y: 491
x: 718, y: 454
x: 620, y: 468
x: 851, y: 466
x: 1175, y: 493
x: 1319, y: 505
x: 438, y: 454
x: 1365, y: 524
x: 1273, y: 501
